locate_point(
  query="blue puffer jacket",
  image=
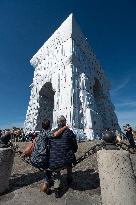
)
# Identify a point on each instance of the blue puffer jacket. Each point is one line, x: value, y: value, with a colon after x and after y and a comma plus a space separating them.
x: 62, y: 150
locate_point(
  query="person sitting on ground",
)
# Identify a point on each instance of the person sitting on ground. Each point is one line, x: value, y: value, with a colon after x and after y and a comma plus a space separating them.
x: 129, y: 135
x: 62, y: 154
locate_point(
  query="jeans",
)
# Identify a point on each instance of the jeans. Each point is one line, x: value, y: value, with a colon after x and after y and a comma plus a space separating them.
x: 48, y: 175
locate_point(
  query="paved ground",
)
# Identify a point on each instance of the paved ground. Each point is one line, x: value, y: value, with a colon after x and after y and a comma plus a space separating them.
x: 85, y: 189
x: 32, y: 196
x: 25, y: 180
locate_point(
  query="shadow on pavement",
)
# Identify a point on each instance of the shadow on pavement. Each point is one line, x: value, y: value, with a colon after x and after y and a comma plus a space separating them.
x: 85, y: 180
x: 82, y: 180
x: 20, y: 180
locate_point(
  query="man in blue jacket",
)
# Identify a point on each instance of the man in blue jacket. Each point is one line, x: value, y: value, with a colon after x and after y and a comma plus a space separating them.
x: 62, y: 154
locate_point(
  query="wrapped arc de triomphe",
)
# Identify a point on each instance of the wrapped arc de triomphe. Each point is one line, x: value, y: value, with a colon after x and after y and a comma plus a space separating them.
x: 68, y: 80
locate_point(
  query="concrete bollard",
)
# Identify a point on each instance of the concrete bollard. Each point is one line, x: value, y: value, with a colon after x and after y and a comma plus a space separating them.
x: 6, y: 163
x: 117, y: 180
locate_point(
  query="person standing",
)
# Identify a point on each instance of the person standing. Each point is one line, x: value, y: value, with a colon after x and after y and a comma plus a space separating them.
x: 62, y: 154
x: 129, y: 135
x: 41, y: 152
x: 0, y: 133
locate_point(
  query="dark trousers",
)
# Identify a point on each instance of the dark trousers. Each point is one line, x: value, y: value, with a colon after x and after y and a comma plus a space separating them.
x: 57, y: 176
x: 131, y: 140
x: 48, y: 175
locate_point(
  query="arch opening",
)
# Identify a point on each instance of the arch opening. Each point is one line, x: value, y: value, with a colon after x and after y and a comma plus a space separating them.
x: 46, y: 104
x: 97, y: 89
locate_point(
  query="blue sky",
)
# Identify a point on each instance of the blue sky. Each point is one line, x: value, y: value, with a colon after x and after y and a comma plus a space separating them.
x: 110, y: 27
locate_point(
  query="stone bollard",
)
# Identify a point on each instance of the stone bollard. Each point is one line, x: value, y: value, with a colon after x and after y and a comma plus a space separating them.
x: 133, y: 160
x: 117, y: 180
x: 6, y: 163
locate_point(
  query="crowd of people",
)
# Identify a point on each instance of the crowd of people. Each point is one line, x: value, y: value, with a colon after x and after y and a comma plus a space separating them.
x: 53, y: 151
x: 17, y: 134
